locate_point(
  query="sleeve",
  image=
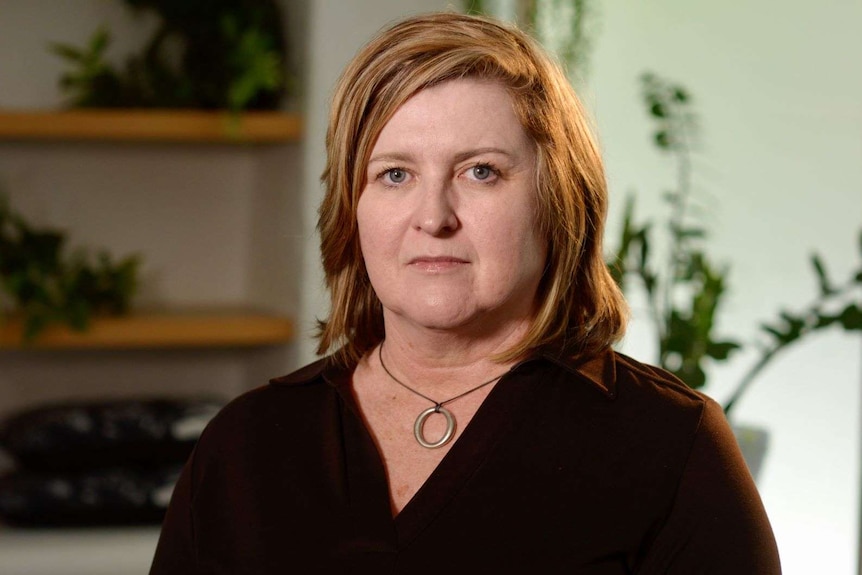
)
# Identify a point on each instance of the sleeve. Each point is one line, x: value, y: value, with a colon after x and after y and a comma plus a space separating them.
x: 175, y: 552
x: 717, y: 524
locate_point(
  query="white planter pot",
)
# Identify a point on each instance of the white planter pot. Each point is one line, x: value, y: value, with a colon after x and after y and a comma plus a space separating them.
x: 754, y: 441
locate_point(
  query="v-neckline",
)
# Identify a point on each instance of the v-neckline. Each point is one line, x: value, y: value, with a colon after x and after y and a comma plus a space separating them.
x: 499, y: 414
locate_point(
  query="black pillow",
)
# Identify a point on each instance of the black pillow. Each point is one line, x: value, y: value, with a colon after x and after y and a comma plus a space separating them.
x: 101, y: 434
x: 119, y: 496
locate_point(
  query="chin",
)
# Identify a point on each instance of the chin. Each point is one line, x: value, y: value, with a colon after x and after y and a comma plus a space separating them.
x: 439, y: 319
x: 434, y: 313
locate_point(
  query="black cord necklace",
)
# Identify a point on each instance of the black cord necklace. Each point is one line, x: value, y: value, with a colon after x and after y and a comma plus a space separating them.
x: 418, y: 427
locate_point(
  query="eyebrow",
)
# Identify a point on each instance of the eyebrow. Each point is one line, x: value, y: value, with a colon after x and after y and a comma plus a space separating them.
x: 459, y: 157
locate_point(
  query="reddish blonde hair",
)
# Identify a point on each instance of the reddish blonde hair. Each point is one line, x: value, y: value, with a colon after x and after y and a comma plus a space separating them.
x: 578, y: 301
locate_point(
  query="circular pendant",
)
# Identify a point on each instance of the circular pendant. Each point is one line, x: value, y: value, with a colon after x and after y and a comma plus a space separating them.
x: 420, y: 424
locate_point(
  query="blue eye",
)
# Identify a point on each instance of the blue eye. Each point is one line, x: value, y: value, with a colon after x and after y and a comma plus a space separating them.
x: 485, y: 173
x: 482, y: 172
x: 396, y: 175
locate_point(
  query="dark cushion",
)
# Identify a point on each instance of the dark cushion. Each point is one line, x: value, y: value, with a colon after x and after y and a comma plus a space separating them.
x: 117, y: 496
x: 100, y: 434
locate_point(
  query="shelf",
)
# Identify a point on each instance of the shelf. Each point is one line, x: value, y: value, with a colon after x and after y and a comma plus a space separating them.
x: 161, y: 330
x: 190, y: 126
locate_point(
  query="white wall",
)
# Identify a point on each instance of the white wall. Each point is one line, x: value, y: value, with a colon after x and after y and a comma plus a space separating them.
x: 779, y: 94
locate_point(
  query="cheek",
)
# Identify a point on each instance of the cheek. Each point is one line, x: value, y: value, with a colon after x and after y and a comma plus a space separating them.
x: 374, y: 235
x: 523, y: 243
x: 365, y: 223
x: 531, y: 256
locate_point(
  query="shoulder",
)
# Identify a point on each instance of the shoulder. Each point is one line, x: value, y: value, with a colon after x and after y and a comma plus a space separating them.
x: 306, y: 379
x: 284, y: 404
x: 643, y: 415
x: 678, y: 442
x: 658, y: 399
x: 313, y: 372
x: 647, y: 416
x: 644, y: 382
x: 627, y: 383
x: 714, y: 521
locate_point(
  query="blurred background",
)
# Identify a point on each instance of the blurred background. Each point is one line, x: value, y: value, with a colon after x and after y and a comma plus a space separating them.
x: 224, y: 225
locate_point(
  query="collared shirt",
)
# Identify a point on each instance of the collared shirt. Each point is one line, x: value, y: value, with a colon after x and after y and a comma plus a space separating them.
x: 603, y: 467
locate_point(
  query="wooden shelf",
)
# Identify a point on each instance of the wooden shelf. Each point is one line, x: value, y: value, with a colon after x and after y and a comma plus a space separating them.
x: 144, y: 330
x: 190, y: 126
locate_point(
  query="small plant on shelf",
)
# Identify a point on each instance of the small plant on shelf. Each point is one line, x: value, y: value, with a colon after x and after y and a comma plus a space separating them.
x: 214, y: 54
x: 41, y: 284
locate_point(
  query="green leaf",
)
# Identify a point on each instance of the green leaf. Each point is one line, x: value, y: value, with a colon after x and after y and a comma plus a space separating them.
x: 99, y: 41
x: 643, y: 238
x: 774, y: 332
x: 692, y: 374
x: 721, y: 350
x: 826, y: 288
x: 825, y: 320
x: 657, y: 110
x: 66, y: 51
x: 650, y: 281
x: 795, y: 324
x: 662, y: 140
x: 851, y: 318
x: 46, y: 285
x: 687, y: 232
x: 671, y: 197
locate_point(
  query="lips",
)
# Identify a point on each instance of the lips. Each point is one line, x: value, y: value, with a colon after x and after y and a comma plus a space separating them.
x: 437, y: 259
x: 436, y: 263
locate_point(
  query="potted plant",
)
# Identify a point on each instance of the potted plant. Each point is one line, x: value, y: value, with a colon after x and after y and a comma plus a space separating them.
x: 42, y: 284
x: 683, y: 286
x: 684, y: 291
x: 225, y: 54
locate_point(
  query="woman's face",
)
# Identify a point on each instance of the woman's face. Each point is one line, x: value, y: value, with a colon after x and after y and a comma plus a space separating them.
x: 447, y: 217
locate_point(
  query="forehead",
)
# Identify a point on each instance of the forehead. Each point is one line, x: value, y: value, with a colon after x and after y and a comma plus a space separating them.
x: 464, y: 111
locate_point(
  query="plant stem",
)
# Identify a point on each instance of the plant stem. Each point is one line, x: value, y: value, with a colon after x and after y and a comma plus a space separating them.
x: 680, y: 208
x: 750, y: 376
x: 811, y: 317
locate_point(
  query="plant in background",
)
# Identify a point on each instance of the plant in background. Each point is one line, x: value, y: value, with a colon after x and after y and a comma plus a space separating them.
x: 210, y: 54
x: 559, y: 25
x: 835, y: 305
x: 42, y: 285
x: 255, y: 65
x: 684, y: 293
x: 93, y: 81
x: 685, y: 289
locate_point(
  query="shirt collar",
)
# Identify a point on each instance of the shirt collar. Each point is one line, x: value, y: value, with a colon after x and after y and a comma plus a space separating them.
x: 598, y: 371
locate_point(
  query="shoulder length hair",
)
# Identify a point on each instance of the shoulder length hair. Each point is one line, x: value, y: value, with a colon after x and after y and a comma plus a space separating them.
x: 578, y: 303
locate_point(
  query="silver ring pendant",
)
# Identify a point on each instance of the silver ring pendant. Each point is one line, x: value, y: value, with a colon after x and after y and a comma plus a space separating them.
x: 418, y: 427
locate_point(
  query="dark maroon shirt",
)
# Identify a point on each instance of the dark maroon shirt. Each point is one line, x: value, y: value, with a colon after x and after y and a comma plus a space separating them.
x: 605, y: 467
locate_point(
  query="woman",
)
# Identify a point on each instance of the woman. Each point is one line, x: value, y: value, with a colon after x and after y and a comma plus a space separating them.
x: 472, y: 416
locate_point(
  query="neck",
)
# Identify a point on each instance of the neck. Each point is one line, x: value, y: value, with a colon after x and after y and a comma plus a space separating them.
x: 444, y: 359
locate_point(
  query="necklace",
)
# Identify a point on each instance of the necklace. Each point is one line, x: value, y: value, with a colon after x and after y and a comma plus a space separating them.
x: 419, y: 425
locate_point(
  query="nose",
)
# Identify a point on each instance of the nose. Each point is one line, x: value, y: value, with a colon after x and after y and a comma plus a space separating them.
x: 435, y: 211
